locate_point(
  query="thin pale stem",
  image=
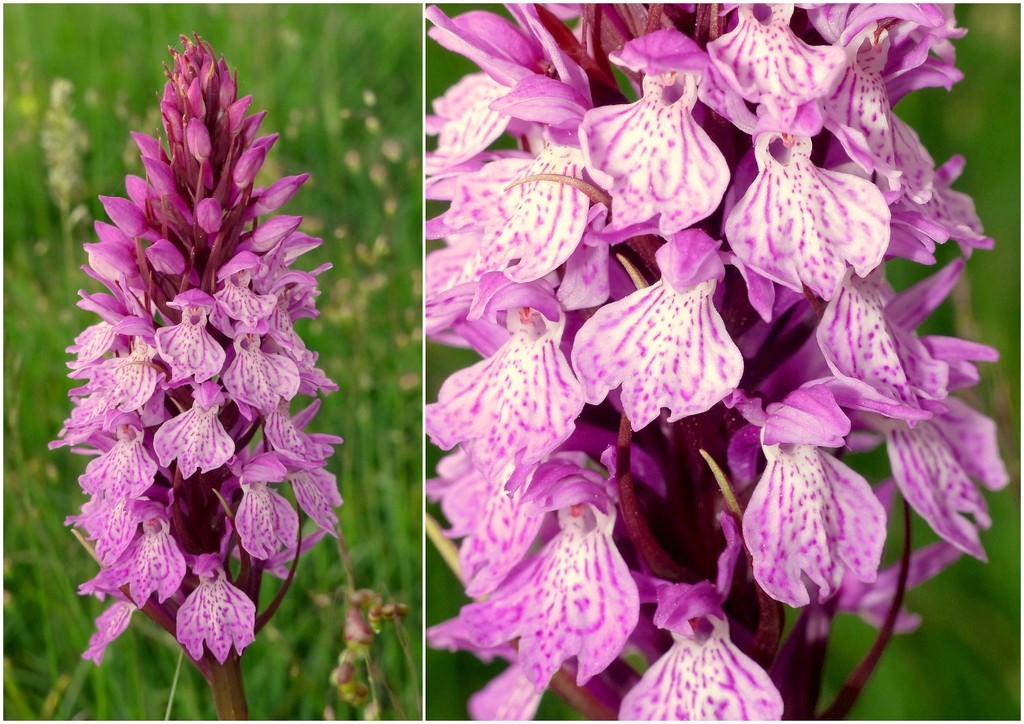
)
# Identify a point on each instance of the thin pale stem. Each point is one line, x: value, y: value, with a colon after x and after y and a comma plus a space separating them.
x: 592, y: 192
x: 444, y: 546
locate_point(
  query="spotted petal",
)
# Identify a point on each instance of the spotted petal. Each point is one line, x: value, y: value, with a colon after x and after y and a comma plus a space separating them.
x: 266, y: 522
x: 575, y: 598
x: 666, y: 348
x: 522, y: 402
x: 126, y: 470
x: 109, y: 626
x: 258, y: 378
x: 91, y: 344
x: 858, y: 110
x: 239, y: 301
x: 215, y: 613
x: 547, y: 222
x: 936, y: 485
x: 461, y: 491
x: 196, y: 439
x: 117, y: 527
x: 706, y: 679
x: 157, y: 563
x: 465, y: 123
x: 811, y: 514
x: 135, y: 378
x: 766, y: 63
x: 654, y: 158
x: 316, y: 492
x: 508, y: 697
x: 190, y: 349
x: 867, y: 350
x: 501, y: 539
x: 798, y: 224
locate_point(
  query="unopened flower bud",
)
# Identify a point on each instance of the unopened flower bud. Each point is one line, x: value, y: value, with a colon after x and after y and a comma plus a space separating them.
x: 358, y: 634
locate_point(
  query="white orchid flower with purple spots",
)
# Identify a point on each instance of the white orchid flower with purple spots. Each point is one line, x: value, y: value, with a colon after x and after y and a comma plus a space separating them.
x: 666, y: 236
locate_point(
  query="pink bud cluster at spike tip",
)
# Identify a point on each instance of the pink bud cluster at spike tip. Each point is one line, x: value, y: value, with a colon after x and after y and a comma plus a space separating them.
x: 676, y: 281
x: 188, y: 381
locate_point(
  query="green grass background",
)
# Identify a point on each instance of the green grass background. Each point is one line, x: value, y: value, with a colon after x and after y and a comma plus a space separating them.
x: 964, y: 661
x: 343, y: 88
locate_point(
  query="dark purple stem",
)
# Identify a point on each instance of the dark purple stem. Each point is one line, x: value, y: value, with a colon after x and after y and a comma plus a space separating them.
x: 660, y: 563
x: 579, y: 698
x: 857, y: 680
x: 265, y: 617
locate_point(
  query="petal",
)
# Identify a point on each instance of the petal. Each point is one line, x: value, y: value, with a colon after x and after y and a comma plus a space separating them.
x: 480, y: 200
x: 283, y: 435
x: 135, y: 378
x: 520, y: 403
x: 872, y: 602
x: 126, y: 215
x: 878, y: 358
x: 500, y: 540
x: 655, y: 159
x: 469, y: 124
x: 317, y: 494
x: 462, y: 492
x: 936, y: 485
x: 575, y: 598
x: 278, y: 194
x: 703, y: 680
x: 196, y: 439
x: 268, y: 234
x: 124, y: 471
x: 858, y: 110
x: 260, y: 379
x: 266, y: 521
x: 798, y: 224
x: 766, y: 63
x: 91, y: 344
x: 547, y: 222
x: 157, y: 564
x: 913, y: 160
x: 217, y: 614
x: 662, y: 51
x: 913, y: 305
x: 540, y: 99
x: 191, y: 351
x: 974, y: 443
x: 508, y: 697
x: 109, y: 626
x: 807, y: 416
x: 811, y: 514
x: 666, y: 349
x: 118, y: 526
x: 241, y: 303
x: 586, y: 282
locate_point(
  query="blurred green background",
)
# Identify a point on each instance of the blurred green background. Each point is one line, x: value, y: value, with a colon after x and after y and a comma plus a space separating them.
x: 964, y: 661
x: 343, y: 88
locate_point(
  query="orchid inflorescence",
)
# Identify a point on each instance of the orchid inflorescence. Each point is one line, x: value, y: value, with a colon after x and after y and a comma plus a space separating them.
x: 189, y: 378
x: 677, y: 283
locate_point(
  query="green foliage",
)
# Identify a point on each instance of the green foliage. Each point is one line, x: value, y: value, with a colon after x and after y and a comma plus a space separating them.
x: 964, y: 661
x: 343, y: 89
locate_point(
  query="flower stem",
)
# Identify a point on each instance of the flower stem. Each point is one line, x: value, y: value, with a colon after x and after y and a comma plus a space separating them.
x: 579, y: 698
x: 847, y: 696
x: 228, y: 691
x: 660, y: 563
